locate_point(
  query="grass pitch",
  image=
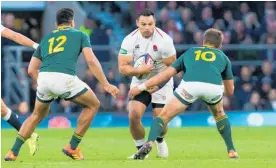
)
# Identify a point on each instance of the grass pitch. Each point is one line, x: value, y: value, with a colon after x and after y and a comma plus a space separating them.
x: 189, y: 147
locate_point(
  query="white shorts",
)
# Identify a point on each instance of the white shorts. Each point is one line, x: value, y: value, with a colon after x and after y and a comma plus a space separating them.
x: 52, y: 85
x: 189, y: 92
x: 162, y: 96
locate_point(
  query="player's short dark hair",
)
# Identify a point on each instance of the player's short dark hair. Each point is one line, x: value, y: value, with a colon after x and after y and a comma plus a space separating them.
x: 213, y: 37
x: 145, y: 12
x: 64, y: 15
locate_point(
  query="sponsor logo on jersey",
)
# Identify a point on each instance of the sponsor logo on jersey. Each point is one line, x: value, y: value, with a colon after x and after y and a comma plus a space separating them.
x: 137, y: 46
x: 123, y: 51
x: 186, y: 95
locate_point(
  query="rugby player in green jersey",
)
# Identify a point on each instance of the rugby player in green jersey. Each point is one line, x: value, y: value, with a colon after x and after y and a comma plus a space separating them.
x: 53, y: 68
x: 207, y: 75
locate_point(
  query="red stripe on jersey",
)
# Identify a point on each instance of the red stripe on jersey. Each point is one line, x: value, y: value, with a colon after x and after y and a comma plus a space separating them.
x: 159, y: 32
x: 135, y: 32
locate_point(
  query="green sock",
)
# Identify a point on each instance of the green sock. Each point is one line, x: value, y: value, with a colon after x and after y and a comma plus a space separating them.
x: 75, y: 140
x: 224, y: 129
x: 17, y: 145
x: 156, y: 129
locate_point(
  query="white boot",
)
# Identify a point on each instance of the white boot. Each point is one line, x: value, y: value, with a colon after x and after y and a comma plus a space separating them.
x: 162, y: 149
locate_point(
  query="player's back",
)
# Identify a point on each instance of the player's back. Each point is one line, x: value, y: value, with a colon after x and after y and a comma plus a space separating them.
x: 60, y: 49
x: 204, y: 64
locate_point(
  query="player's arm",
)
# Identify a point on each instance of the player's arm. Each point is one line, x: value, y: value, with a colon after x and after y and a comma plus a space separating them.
x: 168, y: 52
x: 95, y: 66
x: 160, y: 78
x: 227, y: 76
x: 176, y: 67
x: 125, y: 60
x: 229, y: 87
x: 35, y: 65
x: 153, y: 82
x: 125, y: 66
x: 18, y: 38
x: 168, y: 61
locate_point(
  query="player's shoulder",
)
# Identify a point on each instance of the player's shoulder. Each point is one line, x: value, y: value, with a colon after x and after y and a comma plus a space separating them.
x: 161, y: 35
x: 132, y: 35
x: 72, y: 30
x: 191, y: 49
x: 76, y: 32
x: 220, y: 53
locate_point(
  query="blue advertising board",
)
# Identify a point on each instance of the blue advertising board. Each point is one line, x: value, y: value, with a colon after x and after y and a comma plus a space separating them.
x: 203, y: 119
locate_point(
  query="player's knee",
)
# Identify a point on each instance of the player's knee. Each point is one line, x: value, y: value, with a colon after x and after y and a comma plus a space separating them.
x: 37, y: 117
x: 97, y: 104
x: 219, y: 113
x: 134, y: 116
x: 3, y: 112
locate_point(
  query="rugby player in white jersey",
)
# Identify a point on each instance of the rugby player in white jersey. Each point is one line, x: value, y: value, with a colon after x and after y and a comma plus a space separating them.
x: 6, y: 113
x: 152, y: 41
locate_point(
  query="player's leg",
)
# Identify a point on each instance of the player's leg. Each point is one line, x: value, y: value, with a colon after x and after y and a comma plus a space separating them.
x: 9, y: 116
x: 90, y: 105
x: 40, y: 111
x: 162, y: 147
x: 171, y: 109
x: 223, y: 126
x: 13, y: 120
x: 156, y: 112
x: 137, y: 107
x: 81, y: 94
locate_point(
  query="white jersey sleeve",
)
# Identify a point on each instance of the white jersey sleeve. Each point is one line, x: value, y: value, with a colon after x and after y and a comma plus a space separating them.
x: 168, y: 48
x: 2, y: 28
x: 127, y: 46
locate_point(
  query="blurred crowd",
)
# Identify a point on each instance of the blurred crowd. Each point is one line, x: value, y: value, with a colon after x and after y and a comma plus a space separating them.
x: 185, y: 22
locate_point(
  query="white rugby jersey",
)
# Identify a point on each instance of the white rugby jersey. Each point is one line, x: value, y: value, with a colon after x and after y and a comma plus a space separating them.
x: 159, y: 46
x: 2, y: 28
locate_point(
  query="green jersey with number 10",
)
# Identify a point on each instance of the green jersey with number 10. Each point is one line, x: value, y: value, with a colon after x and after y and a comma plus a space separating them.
x: 204, y: 64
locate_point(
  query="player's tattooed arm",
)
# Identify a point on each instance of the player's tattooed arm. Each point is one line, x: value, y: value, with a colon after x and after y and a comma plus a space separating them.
x: 34, y: 67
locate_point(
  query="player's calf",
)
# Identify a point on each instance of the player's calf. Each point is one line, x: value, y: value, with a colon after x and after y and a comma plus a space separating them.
x: 223, y: 125
x: 10, y: 117
x: 90, y: 105
x: 136, y: 111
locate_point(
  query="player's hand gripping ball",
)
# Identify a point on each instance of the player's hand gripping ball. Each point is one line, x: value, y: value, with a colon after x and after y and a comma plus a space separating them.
x: 145, y: 63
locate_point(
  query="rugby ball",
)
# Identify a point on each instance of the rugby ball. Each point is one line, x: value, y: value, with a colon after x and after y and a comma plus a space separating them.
x: 143, y: 59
